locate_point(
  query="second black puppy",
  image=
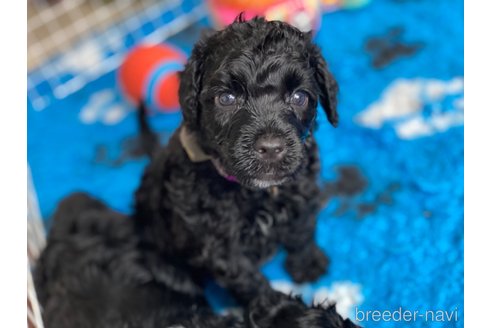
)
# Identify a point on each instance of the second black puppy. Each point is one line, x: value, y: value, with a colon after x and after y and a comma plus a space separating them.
x: 239, y: 177
x: 96, y: 273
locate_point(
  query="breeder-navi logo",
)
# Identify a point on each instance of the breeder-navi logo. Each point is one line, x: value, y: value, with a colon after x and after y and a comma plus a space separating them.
x: 401, y: 315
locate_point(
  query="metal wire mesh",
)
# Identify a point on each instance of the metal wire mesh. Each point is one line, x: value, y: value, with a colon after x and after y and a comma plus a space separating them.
x: 35, y: 243
x: 72, y: 42
x: 34, y: 319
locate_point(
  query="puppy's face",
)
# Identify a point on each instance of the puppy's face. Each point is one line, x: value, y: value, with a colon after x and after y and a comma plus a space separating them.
x: 250, y: 92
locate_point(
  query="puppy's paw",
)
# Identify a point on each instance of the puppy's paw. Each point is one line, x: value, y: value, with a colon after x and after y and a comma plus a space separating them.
x: 308, y: 265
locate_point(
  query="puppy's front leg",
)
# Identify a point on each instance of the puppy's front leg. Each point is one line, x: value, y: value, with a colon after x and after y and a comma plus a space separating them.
x: 305, y: 261
x: 239, y: 275
x: 306, y: 264
x: 243, y: 279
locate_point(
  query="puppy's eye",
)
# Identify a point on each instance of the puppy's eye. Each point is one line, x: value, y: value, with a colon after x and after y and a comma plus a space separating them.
x: 225, y: 99
x: 299, y: 99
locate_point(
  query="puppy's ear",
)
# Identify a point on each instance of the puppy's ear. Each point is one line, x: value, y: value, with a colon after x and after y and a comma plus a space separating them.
x: 327, y: 85
x: 191, y: 85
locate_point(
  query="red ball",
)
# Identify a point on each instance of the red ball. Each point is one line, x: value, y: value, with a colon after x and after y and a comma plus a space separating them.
x: 149, y: 73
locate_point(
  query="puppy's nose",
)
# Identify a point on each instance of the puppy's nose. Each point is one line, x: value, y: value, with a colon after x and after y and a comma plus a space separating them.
x: 270, y: 148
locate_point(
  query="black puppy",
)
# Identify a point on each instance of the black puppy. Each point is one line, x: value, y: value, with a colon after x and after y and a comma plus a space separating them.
x: 96, y: 273
x: 239, y: 177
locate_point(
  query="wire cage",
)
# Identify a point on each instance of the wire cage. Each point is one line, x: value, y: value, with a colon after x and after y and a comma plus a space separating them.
x: 73, y: 42
x: 35, y: 243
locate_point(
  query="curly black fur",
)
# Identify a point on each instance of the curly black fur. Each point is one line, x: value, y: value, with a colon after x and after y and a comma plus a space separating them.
x: 101, y: 269
x: 228, y: 229
x: 97, y: 273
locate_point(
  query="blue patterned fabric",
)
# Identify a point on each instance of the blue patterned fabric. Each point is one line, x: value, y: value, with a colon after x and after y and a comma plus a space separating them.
x: 399, y: 64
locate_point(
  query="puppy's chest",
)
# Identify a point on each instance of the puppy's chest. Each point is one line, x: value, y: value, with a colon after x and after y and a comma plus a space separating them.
x: 255, y: 221
x: 237, y: 216
x: 253, y: 217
